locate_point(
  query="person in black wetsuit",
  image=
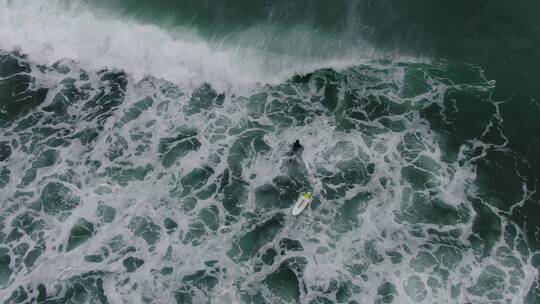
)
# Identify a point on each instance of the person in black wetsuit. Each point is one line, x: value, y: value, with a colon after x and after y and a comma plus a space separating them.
x: 296, y: 149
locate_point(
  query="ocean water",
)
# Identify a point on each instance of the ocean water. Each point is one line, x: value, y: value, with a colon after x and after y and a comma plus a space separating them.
x: 143, y: 151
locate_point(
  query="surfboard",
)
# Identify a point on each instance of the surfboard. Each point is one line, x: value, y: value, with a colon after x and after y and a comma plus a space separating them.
x: 302, y: 203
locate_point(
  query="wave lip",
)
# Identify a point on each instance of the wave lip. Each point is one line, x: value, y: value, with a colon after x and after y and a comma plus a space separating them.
x: 55, y: 31
x: 48, y: 35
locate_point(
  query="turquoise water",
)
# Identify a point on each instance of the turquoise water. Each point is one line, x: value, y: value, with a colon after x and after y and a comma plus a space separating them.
x: 142, y: 152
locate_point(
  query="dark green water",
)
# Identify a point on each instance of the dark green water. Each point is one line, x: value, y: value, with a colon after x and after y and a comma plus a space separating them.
x: 143, y: 151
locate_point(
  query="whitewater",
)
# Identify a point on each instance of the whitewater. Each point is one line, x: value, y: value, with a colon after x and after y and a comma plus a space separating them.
x: 144, y: 163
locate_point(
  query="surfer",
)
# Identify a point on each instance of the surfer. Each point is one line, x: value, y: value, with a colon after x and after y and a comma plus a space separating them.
x: 314, y: 187
x: 296, y: 149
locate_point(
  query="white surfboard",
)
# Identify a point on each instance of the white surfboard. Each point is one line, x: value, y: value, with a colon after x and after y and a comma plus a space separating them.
x: 302, y: 202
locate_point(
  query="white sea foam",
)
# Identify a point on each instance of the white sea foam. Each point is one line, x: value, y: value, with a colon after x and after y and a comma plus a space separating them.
x: 335, y: 249
x: 51, y: 32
